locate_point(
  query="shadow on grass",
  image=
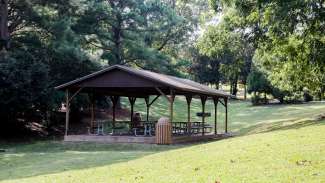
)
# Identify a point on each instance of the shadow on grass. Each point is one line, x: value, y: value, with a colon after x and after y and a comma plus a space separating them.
x: 280, y: 125
x: 48, y: 157
x: 41, y: 158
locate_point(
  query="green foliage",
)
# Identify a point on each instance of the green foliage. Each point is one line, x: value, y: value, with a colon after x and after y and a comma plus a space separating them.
x: 25, y: 85
x: 257, y: 82
x: 135, y: 33
x: 206, y: 69
x: 53, y: 42
x: 307, y: 96
x: 289, y: 36
x: 44, y: 53
x: 279, y: 94
x: 228, y: 51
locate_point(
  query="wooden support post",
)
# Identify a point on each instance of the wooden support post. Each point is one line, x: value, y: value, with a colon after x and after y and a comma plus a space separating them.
x: 92, y: 120
x: 92, y: 112
x: 114, y: 101
x: 226, y: 115
x: 203, y: 100
x: 146, y: 99
x: 171, y: 105
x: 67, y: 112
x: 215, y: 101
x: 189, y: 126
x: 132, y: 102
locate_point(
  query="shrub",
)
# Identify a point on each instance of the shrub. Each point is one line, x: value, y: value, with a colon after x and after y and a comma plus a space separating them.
x: 278, y: 94
x: 307, y: 97
x: 258, y: 100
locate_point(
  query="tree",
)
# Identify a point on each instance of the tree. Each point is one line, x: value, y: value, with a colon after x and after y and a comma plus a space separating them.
x: 4, y: 33
x: 226, y: 49
x: 205, y: 69
x: 290, y: 36
x: 44, y: 53
x: 127, y: 32
x: 257, y: 83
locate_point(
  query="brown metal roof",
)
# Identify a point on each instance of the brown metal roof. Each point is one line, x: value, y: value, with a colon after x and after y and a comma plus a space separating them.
x: 180, y: 85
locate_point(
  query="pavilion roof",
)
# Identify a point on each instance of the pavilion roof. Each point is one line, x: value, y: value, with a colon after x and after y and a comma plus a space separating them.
x: 128, y: 81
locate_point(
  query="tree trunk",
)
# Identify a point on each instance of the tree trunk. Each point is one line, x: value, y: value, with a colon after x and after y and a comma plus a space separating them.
x: 117, y: 34
x: 321, y: 92
x: 230, y: 91
x: 245, y: 91
x: 118, y: 46
x: 4, y: 33
x: 118, y: 104
x: 217, y: 85
x: 235, y: 90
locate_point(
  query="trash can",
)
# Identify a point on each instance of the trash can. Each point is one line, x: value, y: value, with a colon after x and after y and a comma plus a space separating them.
x: 163, y: 131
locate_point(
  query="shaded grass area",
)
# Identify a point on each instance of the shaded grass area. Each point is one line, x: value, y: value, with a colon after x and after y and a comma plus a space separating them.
x: 47, y: 157
x: 293, y: 153
x: 284, y: 146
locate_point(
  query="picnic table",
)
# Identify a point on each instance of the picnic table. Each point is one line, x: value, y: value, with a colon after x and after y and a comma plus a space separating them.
x: 147, y: 127
x: 196, y: 127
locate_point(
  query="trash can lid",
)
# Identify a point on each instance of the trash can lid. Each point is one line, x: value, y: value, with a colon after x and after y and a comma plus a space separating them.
x: 163, y: 120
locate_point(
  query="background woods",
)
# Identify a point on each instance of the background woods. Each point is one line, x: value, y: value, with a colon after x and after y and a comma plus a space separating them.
x: 275, y: 49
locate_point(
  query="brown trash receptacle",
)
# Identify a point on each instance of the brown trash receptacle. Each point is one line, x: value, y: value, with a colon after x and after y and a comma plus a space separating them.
x: 163, y: 131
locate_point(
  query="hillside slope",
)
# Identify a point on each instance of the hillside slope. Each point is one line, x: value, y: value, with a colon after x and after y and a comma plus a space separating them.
x: 295, y: 154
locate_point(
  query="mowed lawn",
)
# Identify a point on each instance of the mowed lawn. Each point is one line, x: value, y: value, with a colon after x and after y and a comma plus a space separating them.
x: 243, y: 117
x: 276, y: 144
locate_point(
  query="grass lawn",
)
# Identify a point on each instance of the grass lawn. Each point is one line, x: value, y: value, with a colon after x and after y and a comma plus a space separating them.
x: 243, y: 117
x: 290, y: 149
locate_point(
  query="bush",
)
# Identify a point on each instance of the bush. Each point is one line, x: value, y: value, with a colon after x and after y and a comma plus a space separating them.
x: 307, y: 97
x: 295, y: 98
x: 258, y: 100
x: 25, y: 85
x: 278, y: 94
x: 257, y: 82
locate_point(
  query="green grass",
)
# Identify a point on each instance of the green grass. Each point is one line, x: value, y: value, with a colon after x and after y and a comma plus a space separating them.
x: 296, y: 154
x: 277, y: 144
x: 243, y: 117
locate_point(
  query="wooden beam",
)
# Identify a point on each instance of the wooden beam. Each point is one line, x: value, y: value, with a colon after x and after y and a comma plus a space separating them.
x: 154, y: 100
x: 188, y: 101
x: 67, y: 112
x: 78, y: 91
x: 170, y: 99
x: 215, y: 102
x: 223, y: 103
x: 148, y: 104
x: 162, y: 93
x: 203, y: 100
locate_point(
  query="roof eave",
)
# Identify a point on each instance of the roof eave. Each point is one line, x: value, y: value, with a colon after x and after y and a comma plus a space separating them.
x: 198, y: 92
